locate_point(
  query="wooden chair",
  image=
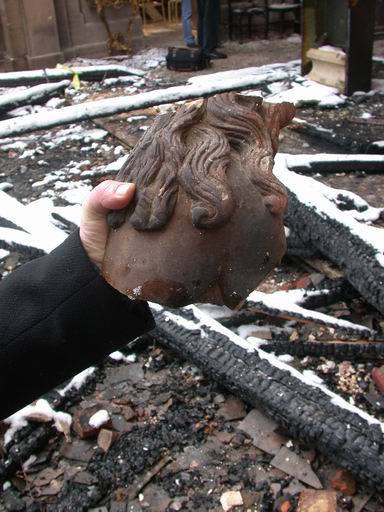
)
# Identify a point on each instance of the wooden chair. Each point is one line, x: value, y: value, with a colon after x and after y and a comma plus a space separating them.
x: 244, y: 11
x: 174, y: 6
x: 150, y: 10
x: 282, y: 8
x: 259, y: 8
x: 240, y: 16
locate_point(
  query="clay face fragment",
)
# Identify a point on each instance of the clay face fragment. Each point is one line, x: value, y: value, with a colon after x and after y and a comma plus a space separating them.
x: 206, y: 224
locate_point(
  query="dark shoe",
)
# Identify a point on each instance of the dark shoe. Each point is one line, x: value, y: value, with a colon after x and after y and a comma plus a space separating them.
x: 192, y: 45
x: 215, y: 55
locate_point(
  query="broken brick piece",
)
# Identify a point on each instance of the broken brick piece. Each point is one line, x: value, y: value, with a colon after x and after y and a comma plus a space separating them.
x: 344, y: 482
x: 378, y: 378
x: 106, y: 438
x: 317, y: 501
x: 301, y: 282
x: 284, y: 504
x: 231, y: 499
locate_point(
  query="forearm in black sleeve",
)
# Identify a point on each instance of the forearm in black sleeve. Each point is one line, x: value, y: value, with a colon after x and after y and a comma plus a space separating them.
x: 57, y: 317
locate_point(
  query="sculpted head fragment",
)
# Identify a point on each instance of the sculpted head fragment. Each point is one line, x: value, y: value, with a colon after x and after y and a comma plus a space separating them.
x: 206, y: 224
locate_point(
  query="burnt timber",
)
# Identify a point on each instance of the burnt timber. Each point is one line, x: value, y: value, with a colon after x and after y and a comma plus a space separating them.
x: 354, y: 441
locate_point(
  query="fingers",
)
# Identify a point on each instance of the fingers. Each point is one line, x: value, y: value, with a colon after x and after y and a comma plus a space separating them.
x: 108, y: 195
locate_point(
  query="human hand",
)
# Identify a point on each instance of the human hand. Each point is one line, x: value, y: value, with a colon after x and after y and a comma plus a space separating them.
x: 108, y: 195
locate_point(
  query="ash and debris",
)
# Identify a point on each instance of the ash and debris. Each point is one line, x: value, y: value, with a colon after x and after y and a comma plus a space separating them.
x: 171, y: 439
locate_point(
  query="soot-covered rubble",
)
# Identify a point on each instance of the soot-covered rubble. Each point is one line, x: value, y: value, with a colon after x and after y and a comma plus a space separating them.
x: 152, y: 431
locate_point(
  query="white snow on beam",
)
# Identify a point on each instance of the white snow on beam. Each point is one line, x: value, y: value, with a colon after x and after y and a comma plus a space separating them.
x: 62, y: 73
x: 13, y: 237
x: 39, y: 232
x: 40, y: 411
x: 307, y: 160
x: 112, y: 106
x: 252, y: 345
x: 289, y: 301
x: 321, y: 198
x: 291, y: 68
x: 31, y: 94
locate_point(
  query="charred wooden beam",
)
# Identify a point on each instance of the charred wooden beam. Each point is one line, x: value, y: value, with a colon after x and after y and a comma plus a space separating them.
x: 33, y: 440
x: 313, y: 414
x: 331, y: 163
x: 298, y: 248
x: 118, y: 105
x: 357, y: 249
x: 281, y: 305
x: 330, y: 292
x: 27, y: 249
x: 341, y: 351
x: 32, y: 96
x: 42, y: 76
x: 313, y: 130
x: 242, y: 317
x: 303, y: 126
x: 35, y: 235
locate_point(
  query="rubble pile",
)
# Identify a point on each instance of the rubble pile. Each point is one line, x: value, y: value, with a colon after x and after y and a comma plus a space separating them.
x: 276, y: 407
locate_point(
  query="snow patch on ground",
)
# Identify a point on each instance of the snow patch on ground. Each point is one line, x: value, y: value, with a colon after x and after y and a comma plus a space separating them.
x: 307, y: 92
x: 77, y: 193
x: 149, y: 58
x: 3, y: 254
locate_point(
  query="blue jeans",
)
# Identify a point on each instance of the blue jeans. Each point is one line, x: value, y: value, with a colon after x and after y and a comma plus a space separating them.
x: 186, y: 17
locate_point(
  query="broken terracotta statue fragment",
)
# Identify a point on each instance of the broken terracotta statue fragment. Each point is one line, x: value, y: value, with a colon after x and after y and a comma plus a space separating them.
x: 206, y: 224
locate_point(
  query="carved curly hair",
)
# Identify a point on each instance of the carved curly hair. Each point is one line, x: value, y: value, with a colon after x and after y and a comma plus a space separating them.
x: 165, y: 160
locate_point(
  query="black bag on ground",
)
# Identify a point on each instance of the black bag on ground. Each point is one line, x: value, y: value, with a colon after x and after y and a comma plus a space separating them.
x: 186, y: 59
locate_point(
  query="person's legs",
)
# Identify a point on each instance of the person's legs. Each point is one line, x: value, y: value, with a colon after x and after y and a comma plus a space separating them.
x: 186, y: 17
x: 201, y: 5
x: 212, y: 16
x: 208, y: 30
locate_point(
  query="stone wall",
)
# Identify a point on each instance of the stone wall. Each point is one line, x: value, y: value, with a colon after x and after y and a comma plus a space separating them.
x: 42, y: 33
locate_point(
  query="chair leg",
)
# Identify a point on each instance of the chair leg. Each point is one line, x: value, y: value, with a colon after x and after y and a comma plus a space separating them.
x: 266, y: 24
x: 163, y: 10
x: 243, y: 26
x: 249, y: 26
x: 282, y: 23
x: 230, y: 28
x: 144, y: 12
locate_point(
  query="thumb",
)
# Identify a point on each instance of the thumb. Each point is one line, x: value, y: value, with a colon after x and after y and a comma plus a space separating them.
x: 108, y: 195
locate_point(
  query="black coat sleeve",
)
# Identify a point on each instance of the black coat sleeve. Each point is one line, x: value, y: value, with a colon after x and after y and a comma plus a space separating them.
x: 57, y: 317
